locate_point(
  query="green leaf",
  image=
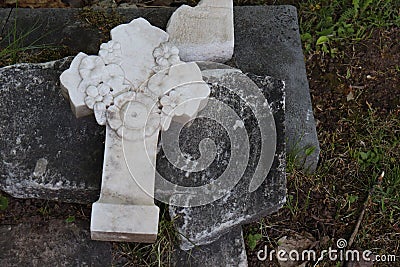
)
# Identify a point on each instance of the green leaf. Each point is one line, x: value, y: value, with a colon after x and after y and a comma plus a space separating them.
x: 363, y: 155
x: 310, y: 150
x: 326, y: 32
x: 306, y: 36
x: 356, y: 4
x: 322, y: 40
x: 253, y: 240
x: 70, y: 219
x: 3, y: 203
x: 352, y: 199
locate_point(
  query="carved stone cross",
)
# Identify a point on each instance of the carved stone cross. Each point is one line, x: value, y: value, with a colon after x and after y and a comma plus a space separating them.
x: 135, y: 86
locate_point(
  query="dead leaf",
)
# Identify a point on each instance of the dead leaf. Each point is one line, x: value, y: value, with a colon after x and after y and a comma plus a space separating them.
x: 350, y: 96
x: 297, y: 243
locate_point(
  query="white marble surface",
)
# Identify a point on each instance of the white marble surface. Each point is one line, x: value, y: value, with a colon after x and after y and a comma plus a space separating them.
x: 135, y: 86
x: 204, y: 32
x: 122, y: 222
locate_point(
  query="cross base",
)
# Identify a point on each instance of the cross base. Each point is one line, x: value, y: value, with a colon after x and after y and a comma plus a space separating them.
x: 122, y: 222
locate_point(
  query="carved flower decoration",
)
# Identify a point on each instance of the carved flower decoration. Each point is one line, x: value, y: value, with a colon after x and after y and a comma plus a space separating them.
x: 134, y: 97
x: 166, y: 55
x: 181, y: 90
x: 111, y: 52
x: 169, y: 104
x: 179, y: 102
x: 91, y: 69
x: 114, y: 77
x: 99, y: 98
x: 134, y: 115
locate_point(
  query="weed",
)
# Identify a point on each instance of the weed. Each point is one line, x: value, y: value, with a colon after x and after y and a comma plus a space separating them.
x: 44, y: 211
x: 327, y: 24
x: 292, y: 204
x: 70, y: 219
x: 3, y: 202
x: 13, y: 44
x: 157, y: 254
x: 253, y: 239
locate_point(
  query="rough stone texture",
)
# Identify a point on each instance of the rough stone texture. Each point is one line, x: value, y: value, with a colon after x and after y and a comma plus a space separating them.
x: 45, y: 151
x: 55, y: 243
x: 229, y: 250
x: 204, y: 224
x: 268, y: 43
x: 204, y: 32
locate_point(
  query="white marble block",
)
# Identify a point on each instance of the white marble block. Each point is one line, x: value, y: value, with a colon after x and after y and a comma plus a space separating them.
x: 135, y: 86
x: 204, y: 32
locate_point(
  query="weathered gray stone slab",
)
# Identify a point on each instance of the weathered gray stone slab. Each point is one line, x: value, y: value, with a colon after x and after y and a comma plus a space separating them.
x: 229, y: 250
x: 271, y: 36
x: 55, y: 243
x: 45, y: 151
x: 267, y: 42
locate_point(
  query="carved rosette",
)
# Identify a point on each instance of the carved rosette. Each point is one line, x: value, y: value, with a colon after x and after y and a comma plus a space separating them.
x: 166, y: 55
x: 134, y: 115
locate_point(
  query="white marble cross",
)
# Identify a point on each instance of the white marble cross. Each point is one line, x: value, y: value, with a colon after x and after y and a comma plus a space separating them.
x: 135, y: 86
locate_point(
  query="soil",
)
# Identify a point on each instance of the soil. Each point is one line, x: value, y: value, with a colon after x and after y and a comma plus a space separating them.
x: 369, y: 72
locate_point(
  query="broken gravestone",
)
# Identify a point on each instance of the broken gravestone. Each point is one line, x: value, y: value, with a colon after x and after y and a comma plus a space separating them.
x: 204, y: 32
x: 136, y: 87
x: 46, y: 89
x: 254, y: 164
x: 136, y: 98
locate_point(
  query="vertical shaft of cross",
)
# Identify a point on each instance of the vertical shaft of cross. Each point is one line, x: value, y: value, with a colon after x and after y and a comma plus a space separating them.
x: 125, y: 210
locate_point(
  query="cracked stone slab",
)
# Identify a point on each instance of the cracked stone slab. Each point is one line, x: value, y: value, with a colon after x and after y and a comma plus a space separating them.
x: 265, y: 200
x: 204, y: 224
x: 272, y: 32
x: 85, y: 165
x: 45, y: 151
x: 54, y: 243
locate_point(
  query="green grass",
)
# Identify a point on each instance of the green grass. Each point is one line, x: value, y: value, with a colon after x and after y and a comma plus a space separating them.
x: 156, y: 254
x: 328, y: 24
x: 3, y: 202
x: 14, y: 47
